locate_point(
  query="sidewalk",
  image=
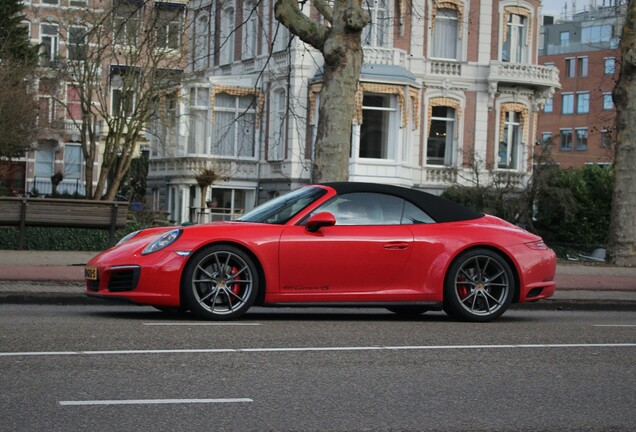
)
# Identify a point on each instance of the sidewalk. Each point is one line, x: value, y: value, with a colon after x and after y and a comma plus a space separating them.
x: 58, y: 277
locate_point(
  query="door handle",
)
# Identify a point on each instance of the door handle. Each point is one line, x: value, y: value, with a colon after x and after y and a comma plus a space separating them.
x: 396, y: 246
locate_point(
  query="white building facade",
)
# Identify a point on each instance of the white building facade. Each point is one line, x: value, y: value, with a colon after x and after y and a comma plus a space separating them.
x: 448, y: 89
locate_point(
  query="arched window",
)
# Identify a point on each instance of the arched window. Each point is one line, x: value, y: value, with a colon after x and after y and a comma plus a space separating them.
x: 250, y: 30
x: 201, y: 41
x: 445, y: 38
x: 227, y: 36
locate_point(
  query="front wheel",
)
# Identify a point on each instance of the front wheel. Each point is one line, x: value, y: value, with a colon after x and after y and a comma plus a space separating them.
x: 479, y: 286
x: 220, y: 283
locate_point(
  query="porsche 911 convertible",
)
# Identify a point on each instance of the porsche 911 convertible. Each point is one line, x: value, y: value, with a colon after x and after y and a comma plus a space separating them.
x: 335, y: 244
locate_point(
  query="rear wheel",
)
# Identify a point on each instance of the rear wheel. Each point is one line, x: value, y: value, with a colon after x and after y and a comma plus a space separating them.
x: 479, y: 286
x: 220, y: 283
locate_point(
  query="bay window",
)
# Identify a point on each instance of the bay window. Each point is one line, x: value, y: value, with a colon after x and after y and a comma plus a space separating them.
x: 379, y: 124
x: 199, y: 120
x: 234, y: 124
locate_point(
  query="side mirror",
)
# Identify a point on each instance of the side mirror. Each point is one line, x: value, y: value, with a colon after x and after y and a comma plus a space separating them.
x: 319, y: 220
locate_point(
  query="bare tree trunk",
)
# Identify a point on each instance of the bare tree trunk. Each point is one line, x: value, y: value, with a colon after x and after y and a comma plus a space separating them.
x: 341, y: 46
x: 622, y: 243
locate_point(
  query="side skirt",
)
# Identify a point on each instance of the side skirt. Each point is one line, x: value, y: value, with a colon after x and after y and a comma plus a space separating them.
x: 437, y: 306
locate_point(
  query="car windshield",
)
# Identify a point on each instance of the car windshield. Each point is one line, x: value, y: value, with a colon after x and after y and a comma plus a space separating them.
x: 282, y: 209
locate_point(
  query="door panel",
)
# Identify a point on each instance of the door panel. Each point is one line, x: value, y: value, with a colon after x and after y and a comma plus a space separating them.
x: 343, y: 259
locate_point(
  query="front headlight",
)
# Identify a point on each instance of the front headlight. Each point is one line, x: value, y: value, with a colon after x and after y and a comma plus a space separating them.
x: 165, y: 240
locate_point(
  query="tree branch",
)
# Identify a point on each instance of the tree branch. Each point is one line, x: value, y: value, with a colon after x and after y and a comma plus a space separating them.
x: 289, y: 14
x: 324, y: 9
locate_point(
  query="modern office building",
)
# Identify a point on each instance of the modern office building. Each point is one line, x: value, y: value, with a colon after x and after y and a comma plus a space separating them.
x: 578, y: 121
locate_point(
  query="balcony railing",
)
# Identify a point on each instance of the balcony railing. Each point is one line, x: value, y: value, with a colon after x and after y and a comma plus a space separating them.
x: 45, y: 187
x: 526, y: 74
x: 440, y: 176
x: 386, y: 56
x: 443, y: 67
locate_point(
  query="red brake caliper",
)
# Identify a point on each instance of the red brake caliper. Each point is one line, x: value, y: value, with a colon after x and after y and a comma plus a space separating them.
x: 462, y: 288
x: 236, y: 288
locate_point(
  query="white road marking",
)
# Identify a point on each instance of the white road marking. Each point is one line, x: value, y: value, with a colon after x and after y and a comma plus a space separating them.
x: 200, y: 324
x: 314, y: 349
x: 615, y: 325
x: 153, y: 401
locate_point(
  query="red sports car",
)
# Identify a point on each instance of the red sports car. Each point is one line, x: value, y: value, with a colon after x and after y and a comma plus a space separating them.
x: 335, y: 244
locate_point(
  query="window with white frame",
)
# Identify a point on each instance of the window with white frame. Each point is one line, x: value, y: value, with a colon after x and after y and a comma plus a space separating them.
x: 50, y: 2
x: 281, y: 37
x: 445, y: 40
x: 49, y: 43
x: 570, y: 67
x: 583, y: 102
x: 514, y: 48
x: 162, y: 126
x: 567, y: 103
x: 566, y: 139
x: 250, y: 30
x: 126, y: 20
x: 379, y: 126
x: 73, y: 161
x: 608, y: 101
x: 606, y: 139
x: 47, y: 106
x: 27, y: 26
x: 201, y: 42
x: 76, y: 43
x: 549, y: 105
x: 45, y: 159
x: 583, y: 66
x: 123, y: 96
x: 199, y: 120
x: 234, y: 126
x: 546, y: 140
x: 73, y: 103
x: 609, y: 65
x: 376, y: 33
x: 581, y: 139
x: 77, y: 3
x: 277, y: 115
x: 441, y: 136
x: 510, y: 142
x: 227, y: 36
x: 168, y: 26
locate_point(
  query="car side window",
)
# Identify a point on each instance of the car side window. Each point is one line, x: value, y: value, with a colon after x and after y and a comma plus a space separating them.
x: 414, y: 215
x: 365, y: 208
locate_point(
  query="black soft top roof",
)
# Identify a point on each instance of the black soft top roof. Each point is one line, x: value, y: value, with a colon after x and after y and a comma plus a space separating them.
x: 440, y: 209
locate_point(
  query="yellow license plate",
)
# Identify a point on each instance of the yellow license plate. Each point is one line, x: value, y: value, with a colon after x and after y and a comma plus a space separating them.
x: 90, y: 273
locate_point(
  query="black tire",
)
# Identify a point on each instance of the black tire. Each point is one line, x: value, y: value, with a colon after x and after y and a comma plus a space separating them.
x: 220, y: 283
x: 407, y: 310
x: 479, y: 286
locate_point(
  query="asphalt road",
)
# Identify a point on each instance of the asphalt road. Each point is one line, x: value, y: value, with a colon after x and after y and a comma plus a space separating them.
x: 130, y: 368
